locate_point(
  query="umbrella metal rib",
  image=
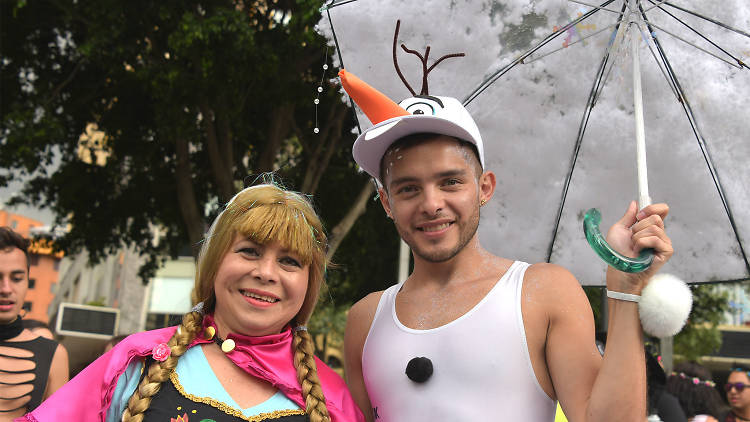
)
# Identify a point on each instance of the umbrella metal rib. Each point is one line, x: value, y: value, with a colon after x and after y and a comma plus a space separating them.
x: 739, y: 66
x: 338, y: 52
x: 495, y: 76
x: 649, y: 39
x: 334, y: 3
x: 615, y: 11
x: 612, y: 42
x: 532, y: 59
x: 738, y: 60
x: 595, y: 6
x: 598, y: 84
x: 701, y: 143
x: 714, y: 21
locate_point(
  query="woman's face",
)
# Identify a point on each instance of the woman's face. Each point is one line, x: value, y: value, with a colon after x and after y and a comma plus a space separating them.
x: 739, y: 399
x: 259, y: 288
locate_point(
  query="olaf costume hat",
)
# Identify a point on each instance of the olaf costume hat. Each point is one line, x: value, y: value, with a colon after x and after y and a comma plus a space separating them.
x: 418, y: 114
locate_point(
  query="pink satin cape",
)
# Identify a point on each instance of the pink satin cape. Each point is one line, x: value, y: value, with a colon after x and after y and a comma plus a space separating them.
x: 87, y: 397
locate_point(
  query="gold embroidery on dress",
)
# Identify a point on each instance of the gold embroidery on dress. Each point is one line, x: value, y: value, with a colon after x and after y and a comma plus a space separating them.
x: 276, y: 414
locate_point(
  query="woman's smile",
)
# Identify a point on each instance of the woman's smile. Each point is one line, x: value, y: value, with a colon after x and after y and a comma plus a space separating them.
x: 259, y: 288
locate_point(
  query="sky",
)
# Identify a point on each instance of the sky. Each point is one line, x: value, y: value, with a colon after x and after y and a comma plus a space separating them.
x: 45, y: 216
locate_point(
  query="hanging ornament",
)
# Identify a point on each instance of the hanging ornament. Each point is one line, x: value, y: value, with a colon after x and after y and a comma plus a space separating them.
x: 320, y: 90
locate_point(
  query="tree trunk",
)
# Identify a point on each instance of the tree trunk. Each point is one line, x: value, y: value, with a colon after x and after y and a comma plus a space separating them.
x: 277, y: 132
x: 186, y: 196
x: 357, y: 209
x: 226, y: 147
x: 221, y: 169
x: 323, y: 150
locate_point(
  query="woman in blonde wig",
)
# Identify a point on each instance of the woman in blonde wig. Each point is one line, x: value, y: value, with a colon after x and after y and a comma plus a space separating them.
x: 258, y: 276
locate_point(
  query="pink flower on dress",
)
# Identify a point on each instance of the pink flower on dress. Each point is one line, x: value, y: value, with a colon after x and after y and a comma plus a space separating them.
x: 161, y: 352
x: 183, y: 418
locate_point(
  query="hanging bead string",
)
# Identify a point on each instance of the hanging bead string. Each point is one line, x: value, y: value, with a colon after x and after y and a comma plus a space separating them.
x: 320, y: 90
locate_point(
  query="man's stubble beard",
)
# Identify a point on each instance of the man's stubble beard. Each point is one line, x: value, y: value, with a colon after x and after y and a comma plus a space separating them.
x: 464, y: 238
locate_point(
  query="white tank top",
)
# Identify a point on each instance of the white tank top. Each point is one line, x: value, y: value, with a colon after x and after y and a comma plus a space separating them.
x: 482, y: 369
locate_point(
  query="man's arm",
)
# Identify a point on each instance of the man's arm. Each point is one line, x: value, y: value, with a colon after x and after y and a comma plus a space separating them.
x: 560, y: 331
x: 357, y: 326
x: 58, y: 371
x: 611, y: 389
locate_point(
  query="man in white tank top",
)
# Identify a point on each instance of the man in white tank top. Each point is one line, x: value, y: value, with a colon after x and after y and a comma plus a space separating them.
x: 470, y: 336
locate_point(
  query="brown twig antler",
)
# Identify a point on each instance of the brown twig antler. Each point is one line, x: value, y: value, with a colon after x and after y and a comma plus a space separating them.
x: 395, y: 60
x: 425, y: 69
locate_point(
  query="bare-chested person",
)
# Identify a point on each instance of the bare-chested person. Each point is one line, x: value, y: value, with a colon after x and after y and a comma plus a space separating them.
x: 471, y: 336
x: 32, y: 366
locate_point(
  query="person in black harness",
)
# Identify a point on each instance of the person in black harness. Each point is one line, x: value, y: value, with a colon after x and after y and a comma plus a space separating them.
x: 32, y: 367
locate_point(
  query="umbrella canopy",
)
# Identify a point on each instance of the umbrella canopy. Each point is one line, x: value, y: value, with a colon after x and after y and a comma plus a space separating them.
x: 530, y: 116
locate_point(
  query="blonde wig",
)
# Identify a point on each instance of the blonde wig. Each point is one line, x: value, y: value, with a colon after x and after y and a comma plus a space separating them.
x: 262, y: 213
x: 265, y: 213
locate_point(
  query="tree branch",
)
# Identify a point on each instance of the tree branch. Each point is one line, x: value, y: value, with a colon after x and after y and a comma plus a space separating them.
x: 315, y: 148
x: 226, y: 147
x: 319, y: 164
x: 357, y: 209
x: 301, y: 64
x: 277, y: 132
x: 186, y: 196
x: 59, y: 87
x: 222, y: 170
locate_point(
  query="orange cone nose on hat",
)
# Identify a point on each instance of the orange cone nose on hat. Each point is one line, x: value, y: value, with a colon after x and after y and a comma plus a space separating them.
x: 374, y: 104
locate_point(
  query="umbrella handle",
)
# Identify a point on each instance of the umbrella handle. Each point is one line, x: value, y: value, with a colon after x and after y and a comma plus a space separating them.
x: 615, y: 259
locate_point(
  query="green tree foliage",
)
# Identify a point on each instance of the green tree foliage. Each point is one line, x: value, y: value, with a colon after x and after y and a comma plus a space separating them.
x: 701, y: 336
x: 327, y: 326
x: 594, y: 295
x: 191, y: 99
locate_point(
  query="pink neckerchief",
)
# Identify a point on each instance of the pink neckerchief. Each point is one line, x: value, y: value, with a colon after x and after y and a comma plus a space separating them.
x: 270, y: 358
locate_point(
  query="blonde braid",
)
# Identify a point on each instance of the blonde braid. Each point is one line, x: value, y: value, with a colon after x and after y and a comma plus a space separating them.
x: 158, y: 372
x: 307, y: 375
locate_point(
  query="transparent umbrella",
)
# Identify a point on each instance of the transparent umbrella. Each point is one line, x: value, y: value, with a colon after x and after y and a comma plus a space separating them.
x: 551, y: 86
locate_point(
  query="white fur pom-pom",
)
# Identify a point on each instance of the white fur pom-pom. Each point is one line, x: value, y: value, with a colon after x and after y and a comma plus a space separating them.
x: 665, y: 305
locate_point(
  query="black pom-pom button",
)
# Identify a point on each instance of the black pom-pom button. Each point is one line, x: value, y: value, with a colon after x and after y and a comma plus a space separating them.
x: 419, y: 369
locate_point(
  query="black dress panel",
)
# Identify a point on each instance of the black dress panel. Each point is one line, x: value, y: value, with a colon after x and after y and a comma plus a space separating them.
x: 173, y: 404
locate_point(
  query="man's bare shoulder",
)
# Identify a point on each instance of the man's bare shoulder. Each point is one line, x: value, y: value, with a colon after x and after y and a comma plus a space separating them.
x: 358, y: 322
x: 550, y: 283
x: 549, y: 272
x: 365, y: 308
